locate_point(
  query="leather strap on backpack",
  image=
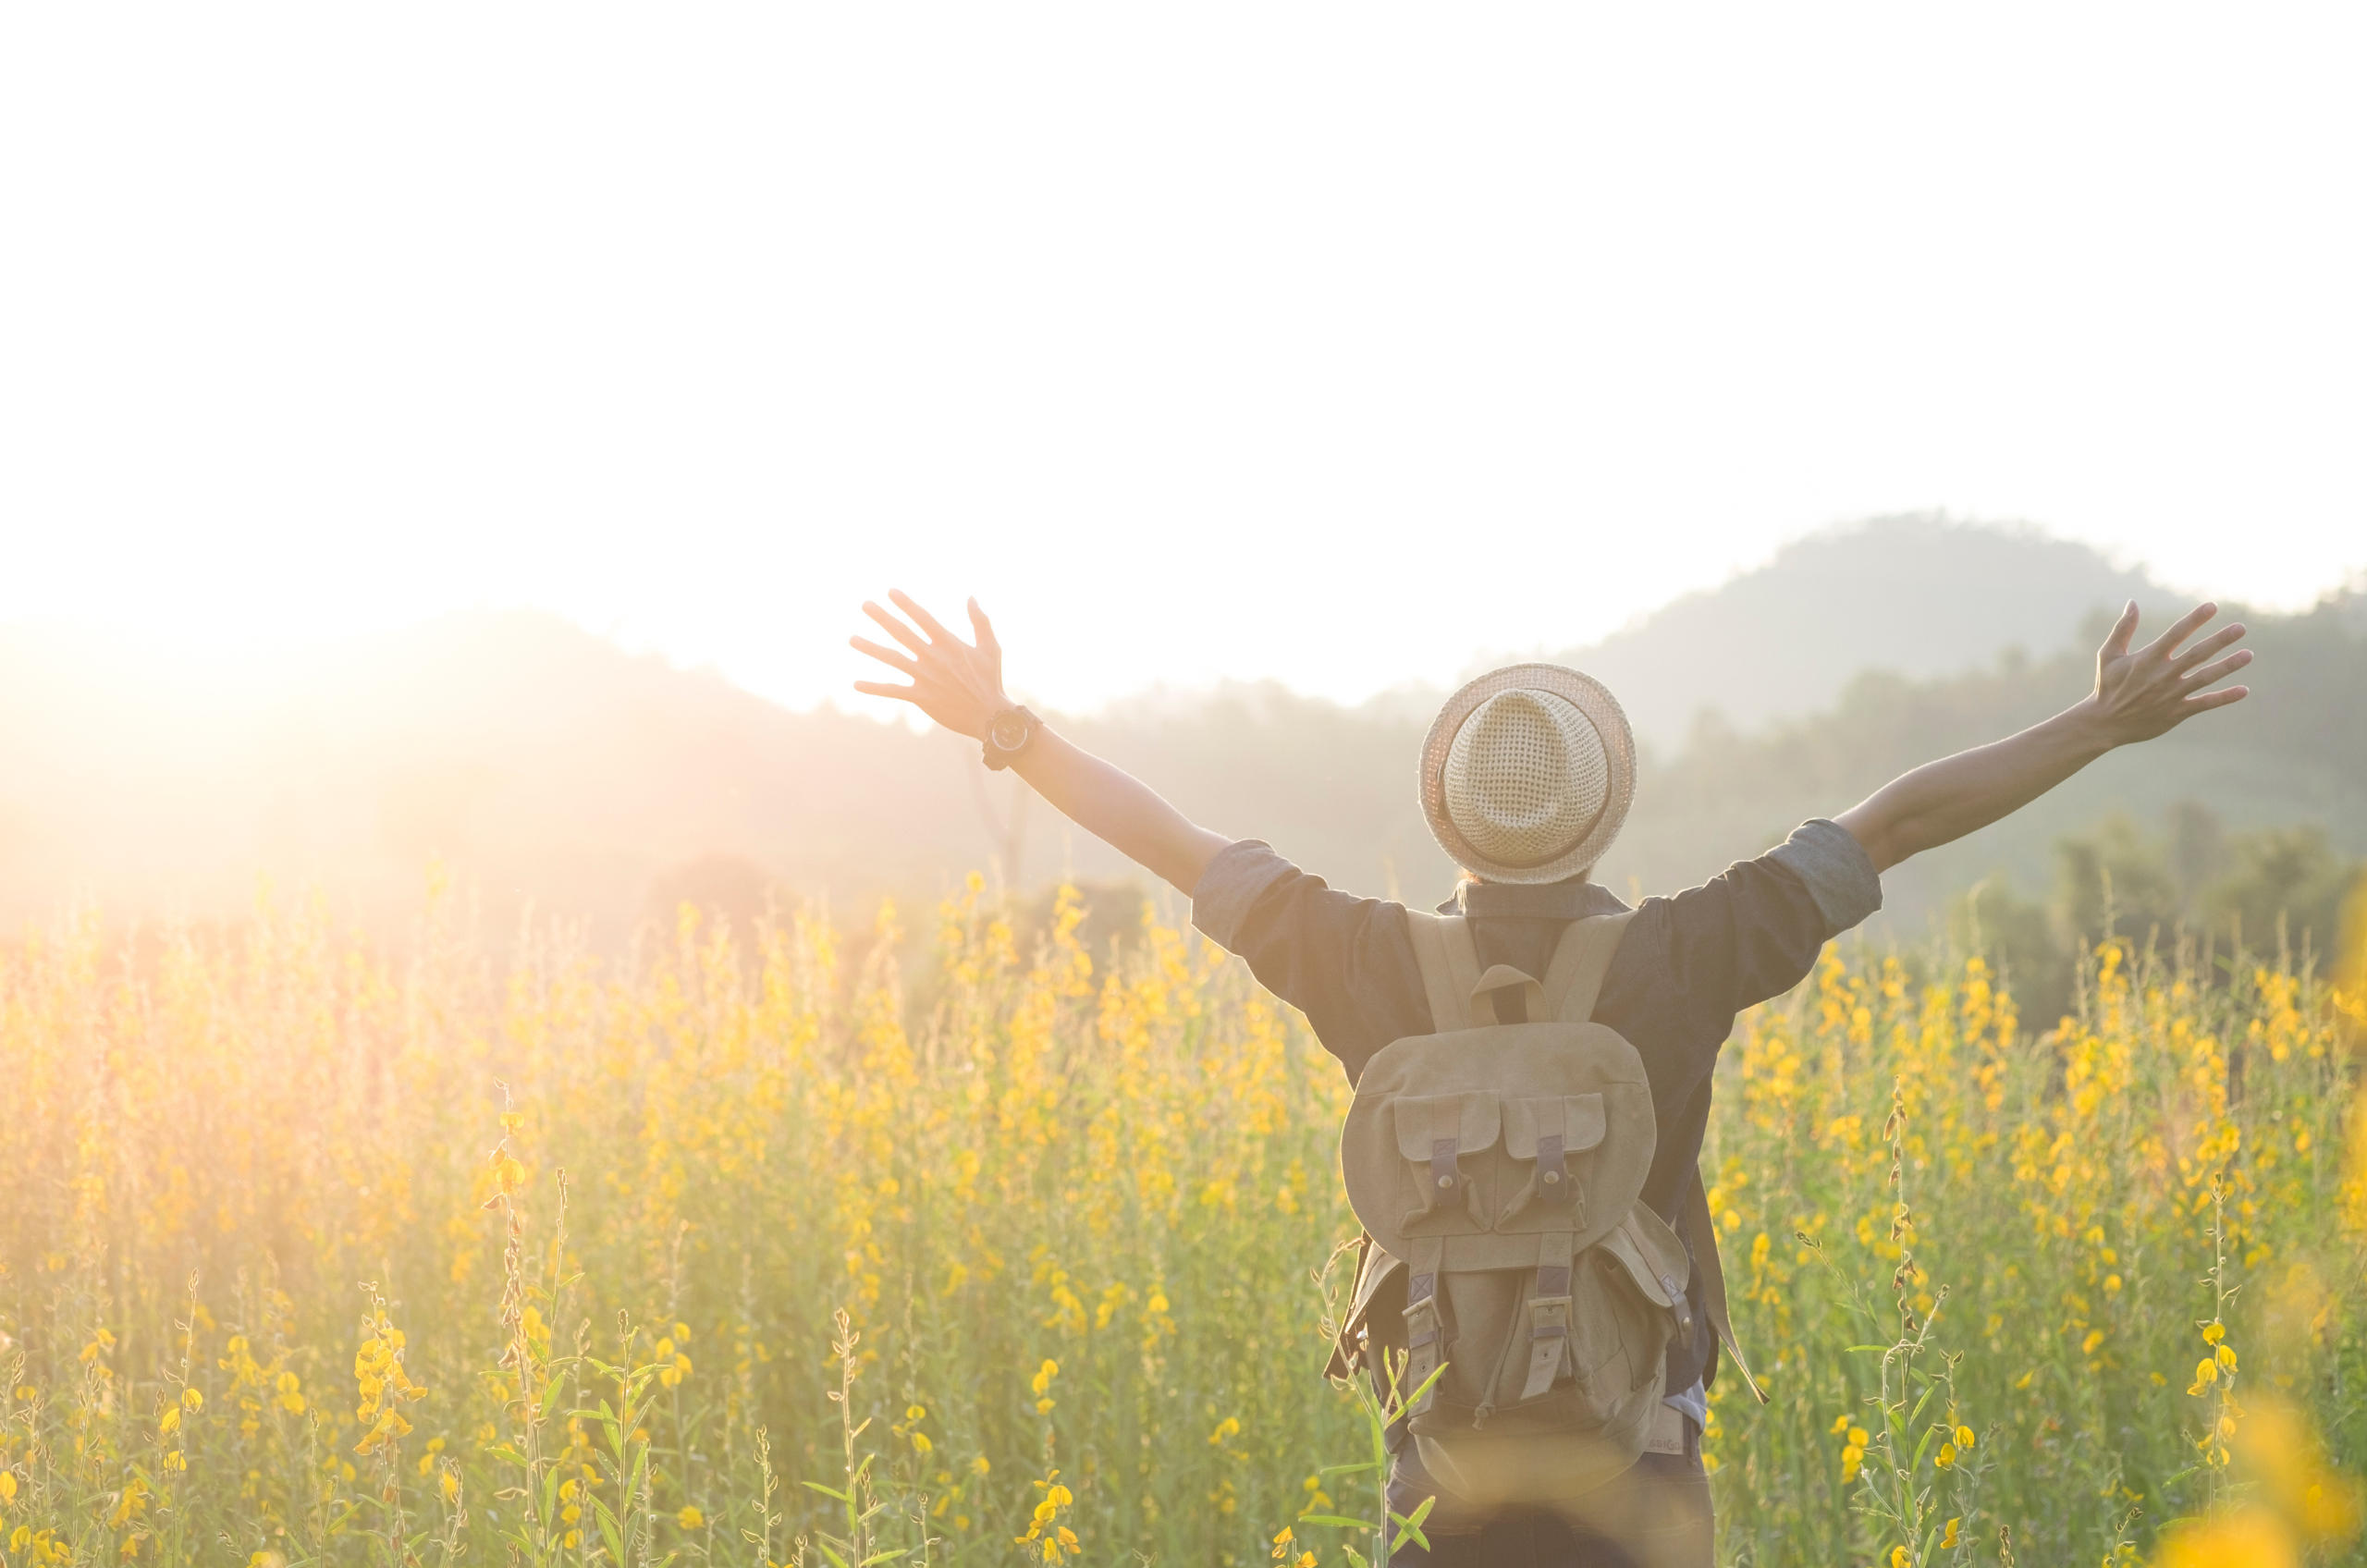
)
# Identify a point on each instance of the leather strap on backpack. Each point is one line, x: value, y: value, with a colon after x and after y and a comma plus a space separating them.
x: 1714, y: 1278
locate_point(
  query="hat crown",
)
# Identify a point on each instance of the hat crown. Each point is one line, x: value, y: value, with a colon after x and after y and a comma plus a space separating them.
x: 1526, y: 773
x: 1526, y: 777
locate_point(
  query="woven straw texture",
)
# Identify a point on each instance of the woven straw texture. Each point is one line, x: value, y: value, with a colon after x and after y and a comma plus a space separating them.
x: 1528, y: 774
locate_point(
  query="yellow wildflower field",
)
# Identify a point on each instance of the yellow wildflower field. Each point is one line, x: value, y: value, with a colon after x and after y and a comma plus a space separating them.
x: 1024, y: 1253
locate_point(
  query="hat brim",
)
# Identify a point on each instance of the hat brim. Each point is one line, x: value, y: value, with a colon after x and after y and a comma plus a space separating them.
x: 1592, y: 698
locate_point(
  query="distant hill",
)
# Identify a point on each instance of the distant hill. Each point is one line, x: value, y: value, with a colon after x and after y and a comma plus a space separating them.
x: 1918, y: 595
x: 550, y: 769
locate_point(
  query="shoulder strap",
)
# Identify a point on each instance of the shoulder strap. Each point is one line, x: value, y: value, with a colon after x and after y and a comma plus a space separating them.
x: 1713, y: 1277
x: 1580, y: 962
x: 1450, y: 966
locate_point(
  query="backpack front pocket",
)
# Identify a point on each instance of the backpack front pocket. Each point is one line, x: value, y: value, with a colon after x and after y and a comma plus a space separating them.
x: 1554, y: 1138
x: 1438, y: 1138
x: 1618, y: 1338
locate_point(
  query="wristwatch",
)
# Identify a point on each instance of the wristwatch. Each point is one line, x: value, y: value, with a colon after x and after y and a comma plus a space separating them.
x: 1008, y: 734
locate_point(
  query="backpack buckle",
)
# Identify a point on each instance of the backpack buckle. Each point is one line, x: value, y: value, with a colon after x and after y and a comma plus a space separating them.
x: 1554, y: 1187
x: 1444, y: 1173
x: 1549, y: 1338
x: 1679, y: 1306
x: 1425, y: 1336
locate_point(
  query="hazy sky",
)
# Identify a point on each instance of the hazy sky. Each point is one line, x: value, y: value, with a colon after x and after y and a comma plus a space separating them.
x: 1330, y: 342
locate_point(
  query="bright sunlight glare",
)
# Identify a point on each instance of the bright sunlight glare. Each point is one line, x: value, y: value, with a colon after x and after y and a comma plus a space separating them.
x: 1337, y: 344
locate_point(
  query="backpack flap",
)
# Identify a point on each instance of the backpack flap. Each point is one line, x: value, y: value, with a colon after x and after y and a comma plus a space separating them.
x: 1552, y: 1134
x: 1434, y: 1134
x: 1652, y: 1255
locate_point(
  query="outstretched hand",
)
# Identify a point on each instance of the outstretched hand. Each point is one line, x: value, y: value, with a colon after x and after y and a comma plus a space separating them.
x: 958, y: 684
x: 2149, y: 692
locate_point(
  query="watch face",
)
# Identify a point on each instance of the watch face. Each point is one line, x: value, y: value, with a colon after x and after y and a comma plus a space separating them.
x: 1010, y: 733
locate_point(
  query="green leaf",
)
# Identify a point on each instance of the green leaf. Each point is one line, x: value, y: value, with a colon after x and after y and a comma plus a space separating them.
x: 1334, y: 1519
x: 884, y: 1556
x: 1356, y: 1557
x: 550, y: 1392
x: 1348, y: 1469
x: 609, y: 1531
x: 1416, y: 1396
x: 836, y: 1559
x: 826, y: 1492
x: 1413, y: 1523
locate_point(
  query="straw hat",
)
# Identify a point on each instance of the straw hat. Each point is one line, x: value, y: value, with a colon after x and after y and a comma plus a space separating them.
x: 1526, y: 773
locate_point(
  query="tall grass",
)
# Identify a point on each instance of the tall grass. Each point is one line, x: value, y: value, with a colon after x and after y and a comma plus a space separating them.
x: 752, y: 1258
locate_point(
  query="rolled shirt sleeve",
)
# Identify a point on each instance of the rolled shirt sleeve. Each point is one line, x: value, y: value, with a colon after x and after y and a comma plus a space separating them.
x: 1840, y: 875
x: 1232, y: 886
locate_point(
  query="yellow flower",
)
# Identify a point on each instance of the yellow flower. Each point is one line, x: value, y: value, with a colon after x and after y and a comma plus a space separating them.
x: 192, y: 1400
x: 1948, y: 1533
x: 1947, y: 1455
x: 1898, y: 1558
x: 2248, y: 1539
x: 1964, y: 1437
x: 689, y: 1518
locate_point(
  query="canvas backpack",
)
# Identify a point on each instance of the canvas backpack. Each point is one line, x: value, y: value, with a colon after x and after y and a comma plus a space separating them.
x: 1497, y: 1170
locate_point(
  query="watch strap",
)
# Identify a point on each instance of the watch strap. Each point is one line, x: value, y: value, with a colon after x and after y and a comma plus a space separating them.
x: 998, y: 757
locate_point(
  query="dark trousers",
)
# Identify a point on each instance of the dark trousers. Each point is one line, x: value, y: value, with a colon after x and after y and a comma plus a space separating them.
x: 1657, y: 1515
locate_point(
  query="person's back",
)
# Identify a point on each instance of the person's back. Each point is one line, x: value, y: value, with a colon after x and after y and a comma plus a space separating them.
x: 1684, y: 966
x: 1526, y: 779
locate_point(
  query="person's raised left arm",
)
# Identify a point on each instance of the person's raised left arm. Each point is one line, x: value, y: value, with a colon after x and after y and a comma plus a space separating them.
x: 2138, y: 696
x: 960, y: 685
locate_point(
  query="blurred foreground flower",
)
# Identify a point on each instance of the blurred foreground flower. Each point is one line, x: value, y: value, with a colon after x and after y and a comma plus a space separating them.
x: 2298, y: 1502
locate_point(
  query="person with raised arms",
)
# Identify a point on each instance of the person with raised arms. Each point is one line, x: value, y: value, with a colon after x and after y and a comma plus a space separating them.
x: 1533, y: 1060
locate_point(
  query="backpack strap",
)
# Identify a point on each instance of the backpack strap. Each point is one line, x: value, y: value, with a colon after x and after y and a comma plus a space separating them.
x: 1425, y: 1331
x: 1450, y: 966
x: 1580, y: 960
x: 1549, y: 1313
x: 1714, y: 1278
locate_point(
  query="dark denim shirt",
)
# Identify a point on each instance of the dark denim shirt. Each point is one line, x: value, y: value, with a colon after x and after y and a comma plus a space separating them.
x: 1685, y: 966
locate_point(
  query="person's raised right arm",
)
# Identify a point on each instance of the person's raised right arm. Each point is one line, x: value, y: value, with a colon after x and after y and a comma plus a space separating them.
x: 960, y: 685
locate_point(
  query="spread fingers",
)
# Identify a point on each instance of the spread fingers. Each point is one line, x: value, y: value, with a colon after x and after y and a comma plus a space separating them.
x: 894, y: 628
x: 928, y: 623
x: 2208, y: 646
x: 888, y: 656
x: 2186, y: 627
x: 2218, y: 669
